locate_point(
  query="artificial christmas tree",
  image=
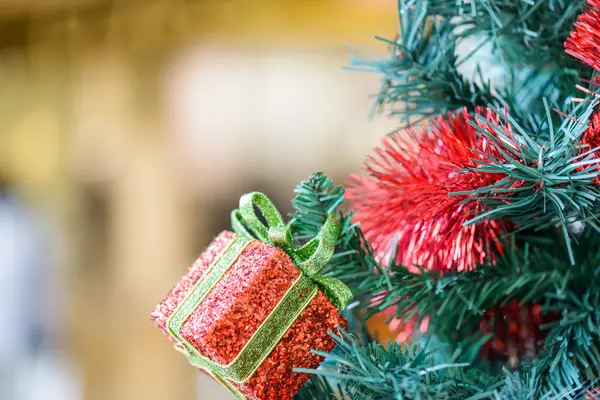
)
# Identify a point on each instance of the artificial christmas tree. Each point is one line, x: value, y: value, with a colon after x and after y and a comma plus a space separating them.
x: 477, y: 221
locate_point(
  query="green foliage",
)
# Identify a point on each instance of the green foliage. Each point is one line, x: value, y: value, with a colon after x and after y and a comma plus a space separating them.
x: 456, y: 304
x: 523, y: 30
x: 421, y: 79
x: 548, y: 183
x: 419, y: 371
x: 526, y: 86
x: 546, y: 190
x: 316, y: 198
x: 320, y: 388
x: 374, y: 371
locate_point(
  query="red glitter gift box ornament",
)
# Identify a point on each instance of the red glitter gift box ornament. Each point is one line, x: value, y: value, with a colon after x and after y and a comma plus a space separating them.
x: 249, y: 311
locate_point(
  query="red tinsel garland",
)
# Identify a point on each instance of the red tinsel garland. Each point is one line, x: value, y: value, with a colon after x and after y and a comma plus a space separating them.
x: 405, y: 199
x: 584, y: 40
x: 591, y: 139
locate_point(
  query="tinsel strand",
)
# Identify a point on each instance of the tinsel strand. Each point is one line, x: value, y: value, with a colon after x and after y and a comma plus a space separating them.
x: 404, y: 202
x: 584, y: 40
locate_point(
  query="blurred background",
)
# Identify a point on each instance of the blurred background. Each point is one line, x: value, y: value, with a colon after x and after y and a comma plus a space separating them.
x: 129, y: 129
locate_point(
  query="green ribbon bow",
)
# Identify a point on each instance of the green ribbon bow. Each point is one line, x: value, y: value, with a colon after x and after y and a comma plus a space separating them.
x: 310, y: 258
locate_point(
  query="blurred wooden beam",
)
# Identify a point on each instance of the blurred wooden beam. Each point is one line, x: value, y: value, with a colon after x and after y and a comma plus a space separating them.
x: 11, y: 10
x: 265, y: 22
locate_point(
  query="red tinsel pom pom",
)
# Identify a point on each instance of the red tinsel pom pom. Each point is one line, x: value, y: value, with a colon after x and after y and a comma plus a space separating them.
x: 584, y: 40
x: 405, y: 199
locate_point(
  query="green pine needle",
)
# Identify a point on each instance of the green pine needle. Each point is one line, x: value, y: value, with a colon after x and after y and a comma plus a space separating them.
x: 455, y: 303
x: 547, y: 184
x: 315, y: 199
x: 521, y: 29
x: 421, y: 78
x: 546, y: 188
x: 374, y: 371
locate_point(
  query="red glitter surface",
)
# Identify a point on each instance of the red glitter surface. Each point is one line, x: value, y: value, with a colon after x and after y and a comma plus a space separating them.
x: 239, y: 303
x: 164, y: 310
x: 275, y: 379
x: 234, y: 309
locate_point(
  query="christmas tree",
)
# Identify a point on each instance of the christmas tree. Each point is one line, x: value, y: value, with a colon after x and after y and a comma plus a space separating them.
x: 476, y: 222
x: 474, y: 229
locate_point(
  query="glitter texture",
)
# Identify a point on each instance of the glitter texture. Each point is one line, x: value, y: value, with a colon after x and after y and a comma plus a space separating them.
x: 164, y: 310
x: 405, y: 201
x: 240, y: 302
x: 275, y: 379
x: 237, y: 305
x: 584, y: 40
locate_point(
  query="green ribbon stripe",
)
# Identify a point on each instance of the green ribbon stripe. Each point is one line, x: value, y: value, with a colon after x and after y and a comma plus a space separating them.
x: 228, y: 385
x: 266, y: 337
x: 210, y: 278
x: 310, y: 259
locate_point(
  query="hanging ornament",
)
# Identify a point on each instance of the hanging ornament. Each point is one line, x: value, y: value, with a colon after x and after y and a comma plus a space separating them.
x: 584, y: 40
x: 517, y: 333
x: 249, y: 311
x: 405, y: 202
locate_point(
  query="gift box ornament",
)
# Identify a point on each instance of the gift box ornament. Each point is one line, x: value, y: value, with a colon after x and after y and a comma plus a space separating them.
x: 253, y: 306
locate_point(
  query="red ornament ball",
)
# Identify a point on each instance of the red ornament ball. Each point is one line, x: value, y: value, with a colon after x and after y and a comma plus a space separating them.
x: 584, y: 40
x: 406, y: 200
x: 517, y: 332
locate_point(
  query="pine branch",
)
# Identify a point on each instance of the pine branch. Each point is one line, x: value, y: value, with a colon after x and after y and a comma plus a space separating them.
x: 527, y: 385
x: 422, y: 371
x: 572, y: 356
x: 525, y: 31
x: 527, y: 85
x: 315, y: 199
x: 421, y: 78
x: 320, y: 388
x: 519, y: 386
x: 374, y: 371
x: 547, y: 182
x: 546, y: 186
x: 455, y: 304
